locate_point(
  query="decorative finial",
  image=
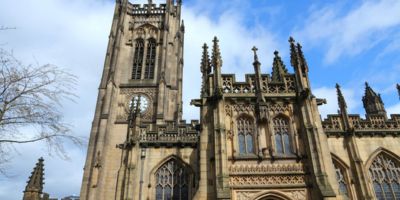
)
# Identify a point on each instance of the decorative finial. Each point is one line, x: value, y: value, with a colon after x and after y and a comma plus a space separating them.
x: 183, y: 26
x: 255, y: 53
x: 372, y: 101
x: 291, y: 40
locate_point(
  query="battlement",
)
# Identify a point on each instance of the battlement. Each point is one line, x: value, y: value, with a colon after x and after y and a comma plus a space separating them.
x: 140, y: 9
x: 372, y: 125
x: 170, y: 135
x: 231, y: 86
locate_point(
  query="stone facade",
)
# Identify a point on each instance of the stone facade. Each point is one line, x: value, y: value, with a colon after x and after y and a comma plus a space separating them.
x: 258, y: 139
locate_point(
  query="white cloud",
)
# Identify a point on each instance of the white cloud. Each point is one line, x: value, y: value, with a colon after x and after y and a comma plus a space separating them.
x: 356, y: 31
x: 332, y: 103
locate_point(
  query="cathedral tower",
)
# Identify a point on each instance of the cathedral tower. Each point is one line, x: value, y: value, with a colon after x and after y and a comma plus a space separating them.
x: 139, y: 110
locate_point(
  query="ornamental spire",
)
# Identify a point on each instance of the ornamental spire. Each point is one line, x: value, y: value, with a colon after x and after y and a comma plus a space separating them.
x: 293, y: 52
x: 34, y: 187
x: 341, y: 100
x: 205, y: 69
x: 205, y: 61
x: 216, y: 54
x: 278, y: 68
x: 303, y: 62
x: 372, y: 101
x: 257, y: 70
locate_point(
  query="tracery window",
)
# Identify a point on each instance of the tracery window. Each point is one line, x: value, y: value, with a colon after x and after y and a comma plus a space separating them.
x: 385, y: 175
x: 150, y: 59
x: 138, y: 59
x: 172, y: 181
x: 282, y: 137
x: 245, y: 128
x: 342, y: 180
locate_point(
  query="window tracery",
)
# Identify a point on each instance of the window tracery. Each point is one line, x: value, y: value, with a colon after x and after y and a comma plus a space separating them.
x: 282, y: 137
x: 245, y: 128
x: 138, y: 59
x: 342, y: 180
x: 385, y: 175
x: 172, y: 181
x: 150, y: 59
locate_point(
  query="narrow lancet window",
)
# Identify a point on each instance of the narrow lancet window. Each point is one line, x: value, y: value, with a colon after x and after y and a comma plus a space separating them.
x: 245, y: 135
x: 150, y: 59
x: 282, y: 137
x: 138, y: 59
x: 172, y: 181
x: 385, y: 175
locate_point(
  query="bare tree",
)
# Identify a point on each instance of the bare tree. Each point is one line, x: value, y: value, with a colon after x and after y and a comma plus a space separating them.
x: 30, y: 102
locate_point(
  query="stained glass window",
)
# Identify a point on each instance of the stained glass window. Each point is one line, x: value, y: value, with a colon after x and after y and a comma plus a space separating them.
x: 282, y: 137
x: 385, y: 175
x: 150, y: 59
x: 245, y: 134
x: 138, y: 59
x: 172, y: 181
x: 342, y: 181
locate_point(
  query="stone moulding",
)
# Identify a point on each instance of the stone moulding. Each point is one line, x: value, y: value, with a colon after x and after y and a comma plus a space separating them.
x: 266, y: 169
x: 270, y: 181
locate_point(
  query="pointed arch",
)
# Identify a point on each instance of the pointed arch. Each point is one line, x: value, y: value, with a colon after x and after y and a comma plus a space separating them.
x: 282, y: 134
x: 272, y: 195
x: 342, y: 176
x: 150, y: 58
x: 384, y: 170
x: 172, y: 179
x: 138, y: 59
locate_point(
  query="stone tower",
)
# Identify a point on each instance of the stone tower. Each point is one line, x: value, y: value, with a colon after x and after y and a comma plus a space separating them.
x: 139, y: 110
x: 34, y: 187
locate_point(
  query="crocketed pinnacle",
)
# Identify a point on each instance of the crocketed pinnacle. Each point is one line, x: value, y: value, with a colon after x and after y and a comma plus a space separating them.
x: 256, y: 61
x: 398, y: 89
x: 293, y: 52
x: 303, y: 62
x: 216, y: 54
x: 372, y: 101
x: 341, y: 100
x: 278, y: 68
x: 183, y: 26
x: 205, y: 61
x: 35, y: 182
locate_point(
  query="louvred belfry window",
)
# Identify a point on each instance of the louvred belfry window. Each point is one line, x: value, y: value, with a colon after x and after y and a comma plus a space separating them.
x: 138, y: 59
x: 150, y: 59
x: 245, y: 135
x: 385, y: 175
x: 282, y: 137
x: 172, y: 181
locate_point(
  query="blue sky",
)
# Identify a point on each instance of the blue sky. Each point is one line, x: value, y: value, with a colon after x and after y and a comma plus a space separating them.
x: 345, y: 42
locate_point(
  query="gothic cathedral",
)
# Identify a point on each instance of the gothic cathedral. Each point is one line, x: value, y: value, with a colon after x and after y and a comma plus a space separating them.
x: 262, y: 139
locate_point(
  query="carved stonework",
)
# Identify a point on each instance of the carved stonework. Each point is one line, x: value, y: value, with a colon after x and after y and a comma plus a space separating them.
x: 245, y: 195
x: 279, y: 108
x: 243, y: 108
x: 127, y: 93
x: 260, y: 180
x: 266, y: 169
x: 297, y: 194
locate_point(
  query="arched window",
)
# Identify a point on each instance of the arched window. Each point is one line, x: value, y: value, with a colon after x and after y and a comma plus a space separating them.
x: 385, y: 175
x: 138, y: 59
x: 342, y: 180
x: 245, y: 128
x: 150, y: 59
x: 172, y: 181
x: 282, y: 137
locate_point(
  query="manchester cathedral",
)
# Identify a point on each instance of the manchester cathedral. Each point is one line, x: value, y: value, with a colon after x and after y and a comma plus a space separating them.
x: 261, y: 139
